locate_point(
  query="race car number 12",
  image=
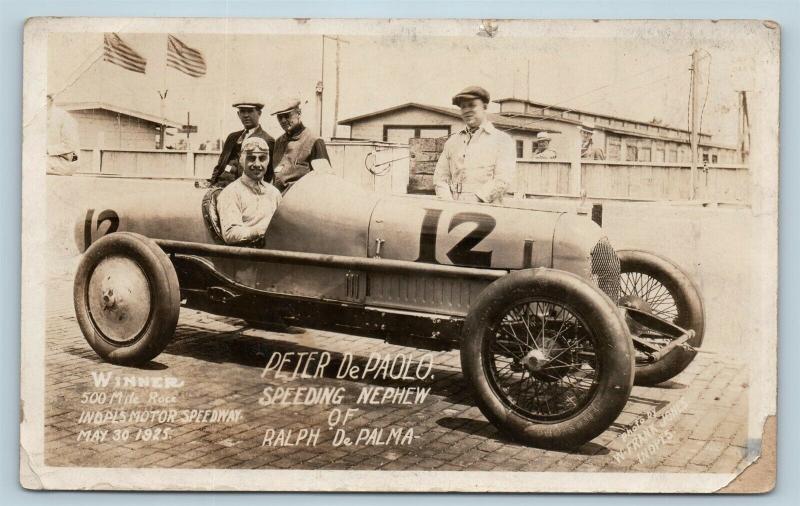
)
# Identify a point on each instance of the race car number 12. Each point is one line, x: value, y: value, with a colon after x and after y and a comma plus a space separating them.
x: 108, y: 216
x: 462, y: 253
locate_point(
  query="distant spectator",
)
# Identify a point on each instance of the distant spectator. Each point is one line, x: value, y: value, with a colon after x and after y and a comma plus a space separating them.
x: 543, y: 150
x: 62, y: 141
x: 588, y: 149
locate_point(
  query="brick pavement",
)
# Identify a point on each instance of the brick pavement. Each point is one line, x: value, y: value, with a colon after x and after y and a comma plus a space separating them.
x: 696, y: 423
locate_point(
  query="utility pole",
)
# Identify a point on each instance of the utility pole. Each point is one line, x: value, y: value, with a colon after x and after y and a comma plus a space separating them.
x: 528, y: 97
x: 743, y: 144
x: 321, y: 87
x: 336, y: 103
x: 161, y: 133
x: 695, y: 121
x: 321, y: 84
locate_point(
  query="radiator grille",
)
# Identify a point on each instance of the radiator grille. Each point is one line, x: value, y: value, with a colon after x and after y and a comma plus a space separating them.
x: 605, y: 268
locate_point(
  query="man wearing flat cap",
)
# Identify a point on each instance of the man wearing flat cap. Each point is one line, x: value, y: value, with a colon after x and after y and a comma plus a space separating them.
x: 479, y: 162
x: 588, y: 150
x: 297, y: 148
x: 227, y: 169
x: 245, y: 207
x: 543, y: 150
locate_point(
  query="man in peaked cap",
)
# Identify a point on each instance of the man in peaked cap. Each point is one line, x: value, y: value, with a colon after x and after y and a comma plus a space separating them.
x: 245, y: 207
x: 478, y: 163
x: 227, y: 169
x: 543, y: 150
x: 588, y: 149
x: 297, y: 148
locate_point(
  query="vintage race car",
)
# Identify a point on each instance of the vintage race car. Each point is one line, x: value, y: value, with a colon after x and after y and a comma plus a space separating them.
x: 552, y: 323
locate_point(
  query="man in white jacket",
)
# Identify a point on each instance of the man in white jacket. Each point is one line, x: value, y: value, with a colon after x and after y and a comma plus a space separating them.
x: 62, y: 141
x: 478, y: 163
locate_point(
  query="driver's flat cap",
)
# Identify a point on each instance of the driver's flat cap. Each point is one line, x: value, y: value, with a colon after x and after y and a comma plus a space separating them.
x: 286, y: 105
x: 471, y: 92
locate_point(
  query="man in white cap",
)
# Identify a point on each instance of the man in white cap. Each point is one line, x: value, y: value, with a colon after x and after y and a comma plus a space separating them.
x: 543, y: 150
x: 227, y: 169
x: 588, y: 149
x: 245, y: 207
x: 478, y: 163
x: 297, y: 148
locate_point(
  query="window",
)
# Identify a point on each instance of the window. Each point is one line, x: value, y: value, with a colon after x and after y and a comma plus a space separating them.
x: 714, y: 158
x: 705, y: 157
x: 520, y: 149
x: 402, y: 133
x: 644, y: 154
x: 433, y: 133
x: 613, y: 147
x: 630, y: 153
x: 399, y: 135
x: 673, y: 155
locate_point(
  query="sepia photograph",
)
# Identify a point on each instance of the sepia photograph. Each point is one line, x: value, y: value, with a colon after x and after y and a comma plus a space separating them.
x: 399, y: 255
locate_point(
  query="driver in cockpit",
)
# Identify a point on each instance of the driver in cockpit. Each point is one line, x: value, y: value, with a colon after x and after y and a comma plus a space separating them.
x: 245, y: 207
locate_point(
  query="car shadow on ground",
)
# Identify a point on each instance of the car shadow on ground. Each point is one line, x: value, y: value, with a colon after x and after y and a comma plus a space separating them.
x: 485, y: 429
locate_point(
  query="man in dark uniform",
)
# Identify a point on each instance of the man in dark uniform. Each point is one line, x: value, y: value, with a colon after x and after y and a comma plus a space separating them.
x: 227, y: 169
x: 296, y: 149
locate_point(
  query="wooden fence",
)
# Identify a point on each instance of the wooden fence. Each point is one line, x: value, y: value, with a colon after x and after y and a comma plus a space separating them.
x: 378, y: 166
x: 601, y: 179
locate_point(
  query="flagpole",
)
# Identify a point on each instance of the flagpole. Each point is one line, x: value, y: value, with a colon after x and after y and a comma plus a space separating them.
x: 163, y: 98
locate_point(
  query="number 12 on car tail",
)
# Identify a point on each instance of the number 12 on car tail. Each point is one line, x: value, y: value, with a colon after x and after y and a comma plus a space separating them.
x: 95, y: 225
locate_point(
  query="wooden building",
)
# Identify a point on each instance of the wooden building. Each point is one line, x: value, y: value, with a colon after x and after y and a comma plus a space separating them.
x: 105, y: 126
x: 621, y: 139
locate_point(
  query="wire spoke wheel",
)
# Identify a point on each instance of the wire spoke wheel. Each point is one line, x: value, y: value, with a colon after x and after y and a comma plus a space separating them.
x: 543, y: 361
x: 548, y: 357
x: 658, y: 298
x: 653, y: 284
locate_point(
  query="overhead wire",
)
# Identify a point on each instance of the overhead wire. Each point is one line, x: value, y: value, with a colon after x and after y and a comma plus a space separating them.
x: 619, y: 79
x: 543, y: 118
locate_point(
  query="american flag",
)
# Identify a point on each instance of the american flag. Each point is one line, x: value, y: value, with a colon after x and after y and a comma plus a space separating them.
x: 181, y: 57
x: 119, y: 53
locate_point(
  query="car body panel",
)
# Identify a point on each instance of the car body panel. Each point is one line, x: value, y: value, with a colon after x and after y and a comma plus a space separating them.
x: 323, y: 214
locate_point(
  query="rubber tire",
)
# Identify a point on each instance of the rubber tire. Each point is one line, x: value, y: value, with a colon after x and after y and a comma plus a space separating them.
x: 613, y: 345
x: 691, y: 314
x: 164, y: 304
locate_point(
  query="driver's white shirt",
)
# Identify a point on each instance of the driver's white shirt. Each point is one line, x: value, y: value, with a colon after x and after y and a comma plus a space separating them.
x: 245, y: 208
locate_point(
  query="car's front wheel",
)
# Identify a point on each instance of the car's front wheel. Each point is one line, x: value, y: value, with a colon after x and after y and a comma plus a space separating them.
x: 548, y: 357
x: 127, y: 298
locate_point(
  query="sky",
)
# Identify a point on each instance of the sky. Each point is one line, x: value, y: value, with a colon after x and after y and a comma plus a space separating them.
x: 639, y: 77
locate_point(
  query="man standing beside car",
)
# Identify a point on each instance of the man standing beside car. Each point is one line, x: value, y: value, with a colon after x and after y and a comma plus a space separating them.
x: 297, y: 149
x: 245, y: 207
x: 227, y: 169
x: 478, y: 163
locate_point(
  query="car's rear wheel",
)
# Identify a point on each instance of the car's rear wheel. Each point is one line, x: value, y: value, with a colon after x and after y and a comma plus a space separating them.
x: 548, y: 357
x: 654, y: 284
x: 127, y: 298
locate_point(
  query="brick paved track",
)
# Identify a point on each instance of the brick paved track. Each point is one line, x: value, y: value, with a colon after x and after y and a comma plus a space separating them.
x: 221, y: 361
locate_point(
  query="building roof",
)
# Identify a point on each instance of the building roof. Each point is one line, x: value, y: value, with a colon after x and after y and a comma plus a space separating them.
x: 499, y: 120
x: 553, y: 107
x: 84, y: 106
